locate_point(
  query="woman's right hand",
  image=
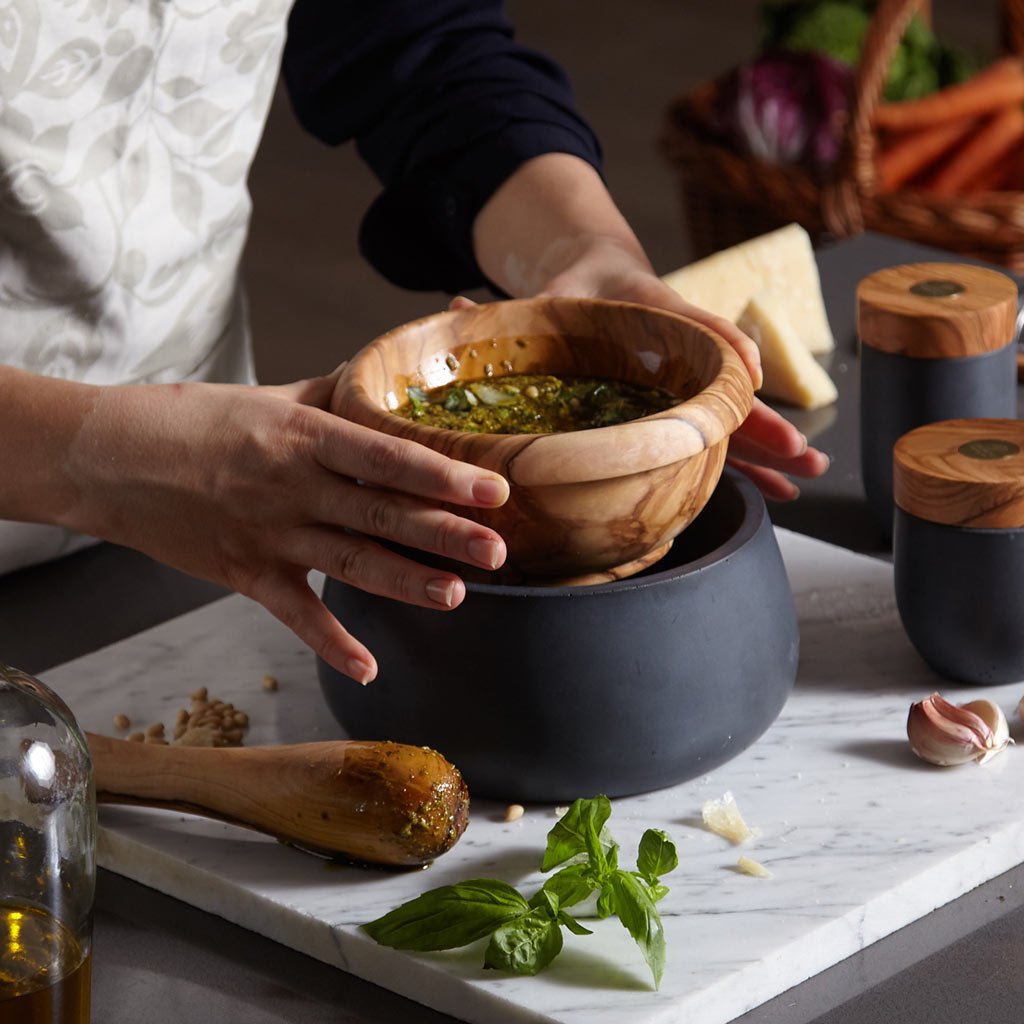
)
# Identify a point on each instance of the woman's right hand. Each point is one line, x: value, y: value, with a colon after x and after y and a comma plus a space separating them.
x: 252, y: 487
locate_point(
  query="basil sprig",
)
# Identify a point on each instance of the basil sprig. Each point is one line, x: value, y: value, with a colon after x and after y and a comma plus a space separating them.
x: 526, y: 935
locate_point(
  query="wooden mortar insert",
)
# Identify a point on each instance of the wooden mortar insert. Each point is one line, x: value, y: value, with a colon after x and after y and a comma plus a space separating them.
x: 936, y: 310
x: 967, y: 473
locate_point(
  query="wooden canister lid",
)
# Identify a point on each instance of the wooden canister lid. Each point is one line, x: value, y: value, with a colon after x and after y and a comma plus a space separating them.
x: 936, y: 310
x: 962, y: 473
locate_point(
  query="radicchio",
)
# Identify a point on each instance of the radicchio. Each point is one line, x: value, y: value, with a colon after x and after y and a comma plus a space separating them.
x: 786, y: 107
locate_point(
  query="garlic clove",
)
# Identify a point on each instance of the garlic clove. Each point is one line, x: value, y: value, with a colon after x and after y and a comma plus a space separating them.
x: 945, y: 734
x: 992, y: 715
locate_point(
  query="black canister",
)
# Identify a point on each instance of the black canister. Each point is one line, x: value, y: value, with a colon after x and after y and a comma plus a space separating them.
x: 958, y: 546
x: 937, y: 343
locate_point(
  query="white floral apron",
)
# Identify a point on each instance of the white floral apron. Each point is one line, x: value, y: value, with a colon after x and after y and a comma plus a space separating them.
x: 127, y: 128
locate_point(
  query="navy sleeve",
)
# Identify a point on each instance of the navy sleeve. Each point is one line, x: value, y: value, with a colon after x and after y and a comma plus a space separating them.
x: 444, y: 105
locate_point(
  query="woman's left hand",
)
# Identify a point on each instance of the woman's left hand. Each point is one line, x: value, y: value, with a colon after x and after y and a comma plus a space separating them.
x: 552, y: 229
x: 767, y: 447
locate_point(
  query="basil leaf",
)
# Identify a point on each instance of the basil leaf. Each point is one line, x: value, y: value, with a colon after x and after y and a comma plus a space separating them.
x: 456, y: 401
x: 611, y: 849
x: 639, y: 915
x: 658, y: 892
x: 571, y: 885
x: 545, y: 899
x: 525, y: 946
x: 606, y: 901
x: 578, y: 831
x: 451, y: 916
x: 572, y: 924
x: 657, y: 855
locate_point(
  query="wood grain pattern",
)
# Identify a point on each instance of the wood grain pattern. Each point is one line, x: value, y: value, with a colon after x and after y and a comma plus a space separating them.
x: 587, y: 501
x: 978, y: 319
x: 962, y: 473
x: 377, y: 803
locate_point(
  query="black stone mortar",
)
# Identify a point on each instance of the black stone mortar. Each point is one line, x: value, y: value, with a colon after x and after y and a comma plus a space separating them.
x: 551, y: 693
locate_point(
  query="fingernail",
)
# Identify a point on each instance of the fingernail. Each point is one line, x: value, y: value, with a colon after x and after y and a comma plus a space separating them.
x: 490, y: 491
x: 485, y: 552
x: 440, y: 592
x: 359, y: 670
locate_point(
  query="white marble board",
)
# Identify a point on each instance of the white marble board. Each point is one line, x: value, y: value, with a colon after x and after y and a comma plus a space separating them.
x: 861, y: 839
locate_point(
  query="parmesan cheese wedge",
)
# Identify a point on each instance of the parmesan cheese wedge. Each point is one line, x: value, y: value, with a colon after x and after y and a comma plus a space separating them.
x: 791, y: 373
x: 724, y: 819
x: 782, y: 261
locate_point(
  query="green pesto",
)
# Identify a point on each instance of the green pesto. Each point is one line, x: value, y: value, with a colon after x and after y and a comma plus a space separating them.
x: 532, y: 404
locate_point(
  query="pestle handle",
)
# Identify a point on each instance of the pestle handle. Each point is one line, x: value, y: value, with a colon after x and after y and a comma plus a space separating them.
x: 375, y: 802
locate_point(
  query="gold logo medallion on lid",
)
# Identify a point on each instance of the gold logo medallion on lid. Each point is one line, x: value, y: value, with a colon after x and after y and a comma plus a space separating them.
x: 988, y: 448
x: 937, y: 288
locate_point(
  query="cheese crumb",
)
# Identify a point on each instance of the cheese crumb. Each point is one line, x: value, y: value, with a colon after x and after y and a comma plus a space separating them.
x: 747, y: 866
x: 724, y: 819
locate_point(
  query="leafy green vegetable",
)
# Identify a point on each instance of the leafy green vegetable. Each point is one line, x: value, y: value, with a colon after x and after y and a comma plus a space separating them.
x: 451, y: 916
x: 458, y: 400
x: 525, y: 946
x: 579, y: 831
x: 417, y: 397
x: 835, y: 27
x: 635, y: 908
x: 571, y: 885
x: 920, y: 65
x: 656, y: 857
x: 525, y: 936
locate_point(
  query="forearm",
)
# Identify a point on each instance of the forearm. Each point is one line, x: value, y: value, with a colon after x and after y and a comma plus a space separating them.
x: 40, y: 418
x: 549, y: 218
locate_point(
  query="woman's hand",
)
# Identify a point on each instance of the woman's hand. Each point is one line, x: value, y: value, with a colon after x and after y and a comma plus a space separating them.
x: 253, y: 487
x: 552, y: 229
x: 767, y: 447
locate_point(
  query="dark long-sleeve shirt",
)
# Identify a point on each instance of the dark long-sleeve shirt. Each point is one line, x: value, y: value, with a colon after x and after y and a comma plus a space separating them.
x: 444, y: 105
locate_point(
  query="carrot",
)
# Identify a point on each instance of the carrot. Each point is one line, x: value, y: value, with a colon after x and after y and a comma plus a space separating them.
x: 989, y: 145
x: 914, y: 152
x: 998, y: 85
x: 1014, y: 180
x: 994, y: 178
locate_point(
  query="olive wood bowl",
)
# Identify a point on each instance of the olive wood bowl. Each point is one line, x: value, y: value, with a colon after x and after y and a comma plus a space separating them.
x: 587, y: 502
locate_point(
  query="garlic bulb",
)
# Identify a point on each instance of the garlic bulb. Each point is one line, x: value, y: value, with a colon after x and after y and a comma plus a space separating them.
x: 946, y: 734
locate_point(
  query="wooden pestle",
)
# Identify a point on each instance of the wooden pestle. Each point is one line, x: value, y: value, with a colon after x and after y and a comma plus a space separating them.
x: 374, y: 802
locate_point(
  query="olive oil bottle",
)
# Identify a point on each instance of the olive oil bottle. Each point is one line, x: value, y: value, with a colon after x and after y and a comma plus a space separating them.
x: 44, y: 972
x: 47, y: 857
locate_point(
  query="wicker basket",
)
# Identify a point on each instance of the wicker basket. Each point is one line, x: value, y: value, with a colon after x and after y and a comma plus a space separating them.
x: 729, y: 197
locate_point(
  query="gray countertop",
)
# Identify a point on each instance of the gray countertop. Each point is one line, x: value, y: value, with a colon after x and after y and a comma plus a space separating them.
x: 161, y: 961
